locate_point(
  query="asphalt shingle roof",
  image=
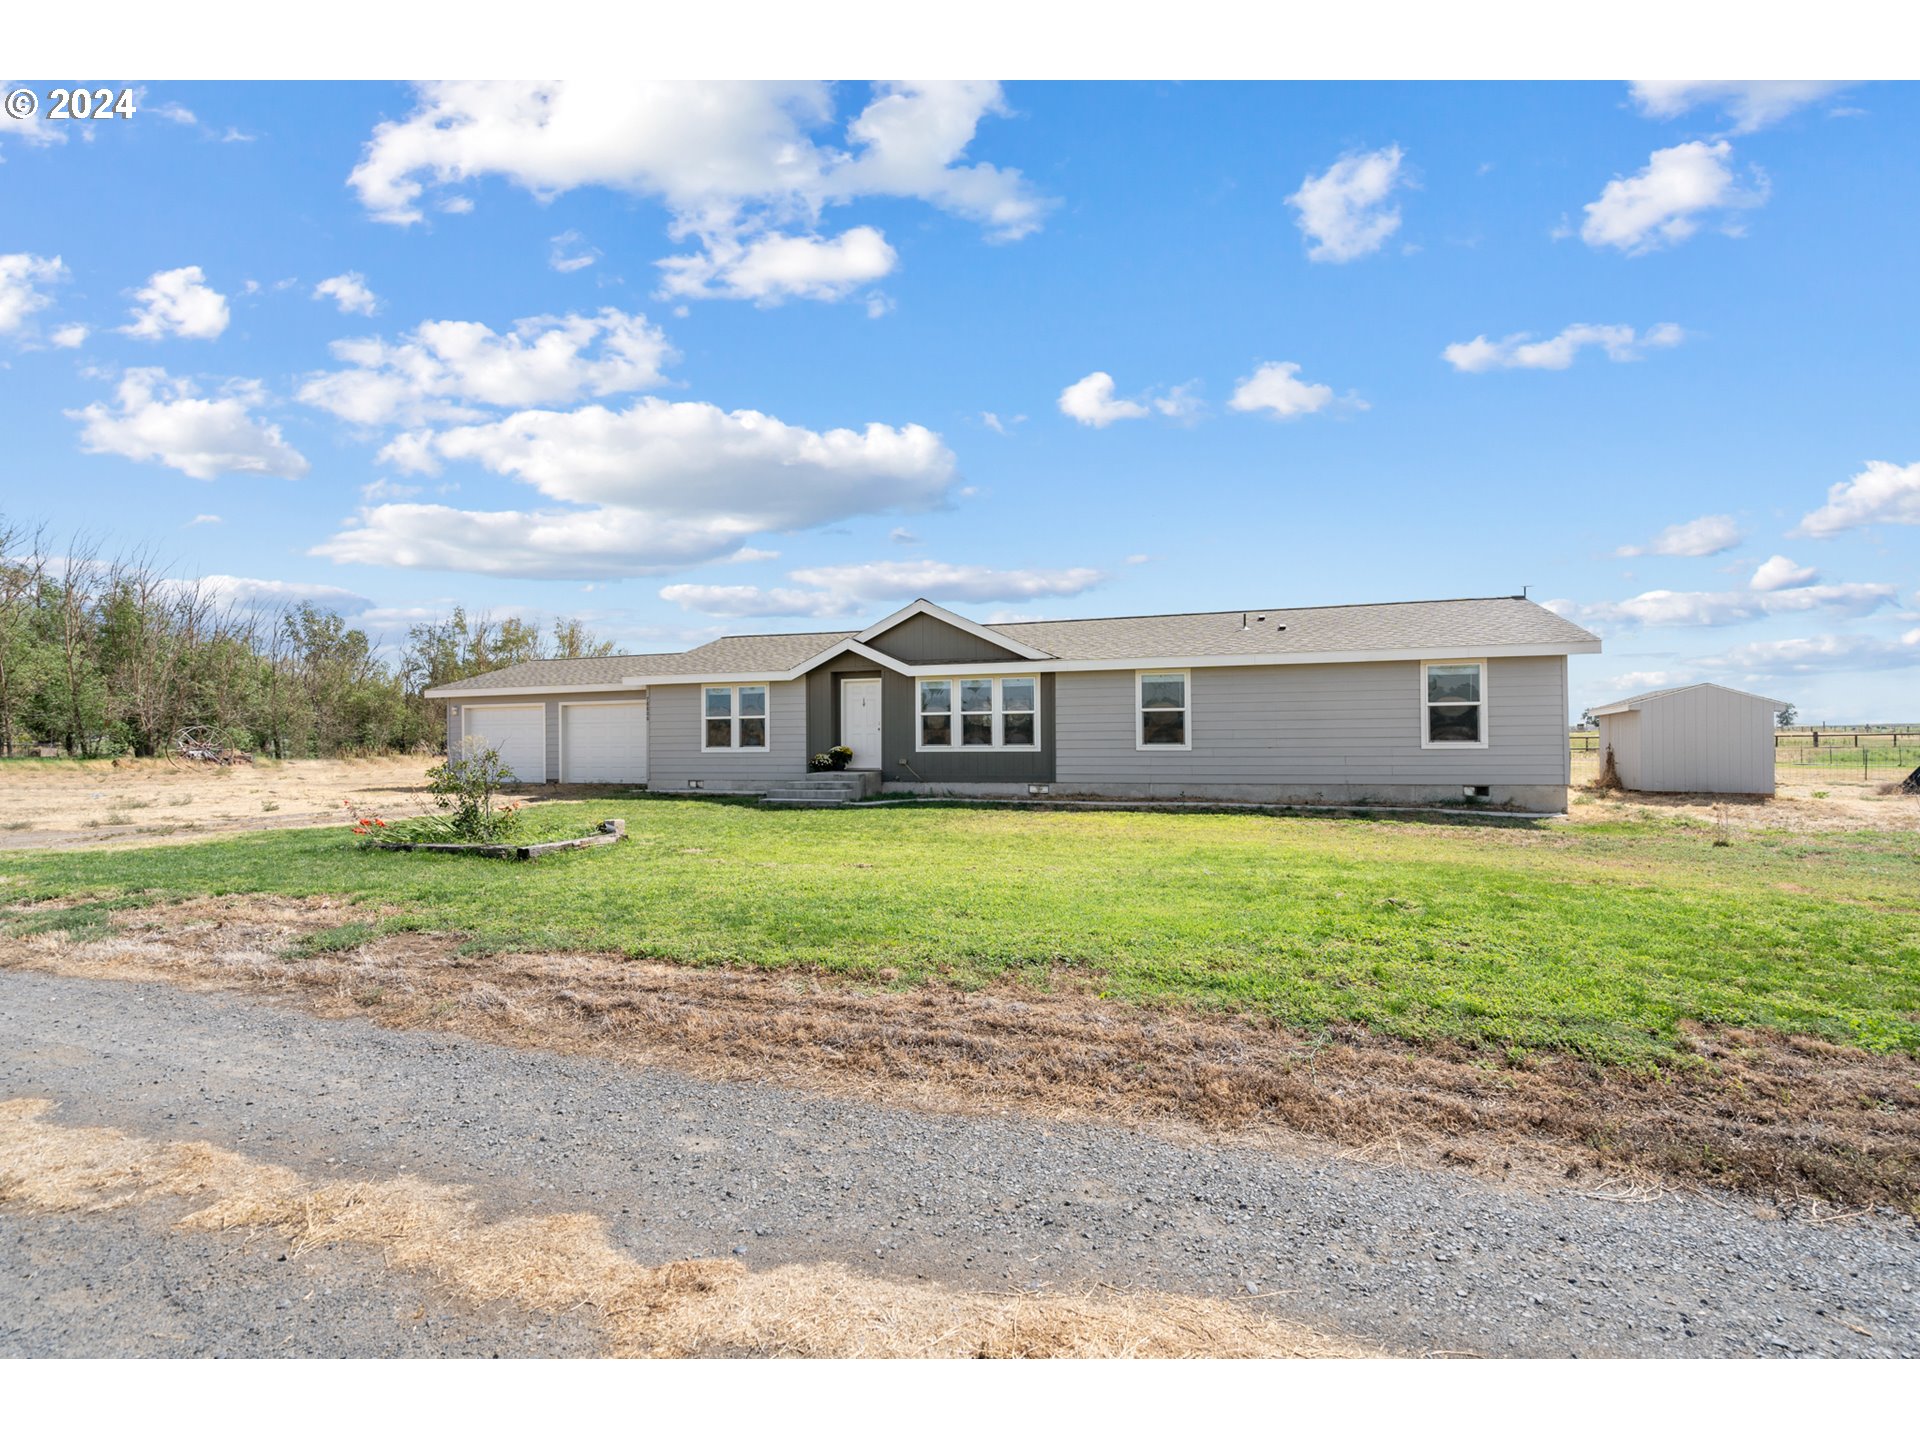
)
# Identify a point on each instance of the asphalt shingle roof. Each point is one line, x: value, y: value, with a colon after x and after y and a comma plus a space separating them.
x: 1460, y: 625
x: 1409, y: 625
x: 599, y: 670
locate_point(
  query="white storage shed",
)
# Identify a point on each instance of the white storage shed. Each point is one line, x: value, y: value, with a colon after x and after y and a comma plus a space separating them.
x: 1703, y: 738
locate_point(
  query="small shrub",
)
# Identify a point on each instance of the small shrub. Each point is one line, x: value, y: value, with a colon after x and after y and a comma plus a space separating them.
x: 269, y: 805
x: 468, y: 789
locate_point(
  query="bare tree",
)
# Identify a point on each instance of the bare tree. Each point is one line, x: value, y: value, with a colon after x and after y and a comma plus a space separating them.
x: 74, y: 609
x: 23, y: 563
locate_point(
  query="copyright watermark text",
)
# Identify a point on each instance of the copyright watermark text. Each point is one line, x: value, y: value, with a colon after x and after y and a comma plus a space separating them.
x: 72, y: 103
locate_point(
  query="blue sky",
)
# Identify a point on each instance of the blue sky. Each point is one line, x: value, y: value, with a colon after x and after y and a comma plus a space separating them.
x: 1033, y: 350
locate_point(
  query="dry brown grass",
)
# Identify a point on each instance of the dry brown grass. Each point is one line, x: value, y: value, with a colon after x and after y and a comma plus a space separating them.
x: 93, y: 802
x: 563, y: 1263
x: 1816, y: 805
x: 1788, y: 1118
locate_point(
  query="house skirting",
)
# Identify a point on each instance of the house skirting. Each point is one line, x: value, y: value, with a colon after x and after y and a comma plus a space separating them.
x: 1546, y: 799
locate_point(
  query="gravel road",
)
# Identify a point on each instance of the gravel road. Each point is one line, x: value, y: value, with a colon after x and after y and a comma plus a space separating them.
x: 1411, y: 1260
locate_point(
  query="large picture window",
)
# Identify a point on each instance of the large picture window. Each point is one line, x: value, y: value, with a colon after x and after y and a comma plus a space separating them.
x: 980, y: 713
x: 734, y: 717
x: 1453, y: 703
x: 1162, y: 710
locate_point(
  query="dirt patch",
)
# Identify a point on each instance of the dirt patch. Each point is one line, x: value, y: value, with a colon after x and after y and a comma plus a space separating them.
x: 1819, y: 805
x: 1790, y: 1118
x: 561, y: 1263
x: 95, y: 803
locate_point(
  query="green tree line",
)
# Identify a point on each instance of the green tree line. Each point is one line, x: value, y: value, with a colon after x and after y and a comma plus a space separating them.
x: 113, y: 655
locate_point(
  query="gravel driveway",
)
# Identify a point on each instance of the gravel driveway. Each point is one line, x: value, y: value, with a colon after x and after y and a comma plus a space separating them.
x: 1411, y: 1260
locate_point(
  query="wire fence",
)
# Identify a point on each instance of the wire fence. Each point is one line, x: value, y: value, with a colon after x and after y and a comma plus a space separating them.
x: 1805, y: 754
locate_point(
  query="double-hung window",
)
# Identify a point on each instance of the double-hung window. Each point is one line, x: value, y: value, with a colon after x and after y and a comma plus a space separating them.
x: 734, y: 717
x: 1453, y: 706
x: 1161, y: 710
x: 980, y: 713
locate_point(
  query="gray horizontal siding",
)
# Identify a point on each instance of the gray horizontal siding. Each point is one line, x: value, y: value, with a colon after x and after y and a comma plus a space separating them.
x: 674, y: 755
x: 929, y: 640
x: 1304, y: 727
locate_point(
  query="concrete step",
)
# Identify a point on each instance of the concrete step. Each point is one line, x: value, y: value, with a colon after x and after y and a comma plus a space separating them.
x: 788, y: 792
x: 811, y: 802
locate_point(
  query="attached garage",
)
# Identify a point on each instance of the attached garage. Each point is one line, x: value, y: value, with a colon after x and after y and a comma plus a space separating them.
x: 518, y: 732
x: 1703, y: 739
x: 603, y: 742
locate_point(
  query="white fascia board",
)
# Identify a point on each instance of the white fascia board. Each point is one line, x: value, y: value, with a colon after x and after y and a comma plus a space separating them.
x: 959, y: 622
x: 508, y: 692
x: 1138, y: 662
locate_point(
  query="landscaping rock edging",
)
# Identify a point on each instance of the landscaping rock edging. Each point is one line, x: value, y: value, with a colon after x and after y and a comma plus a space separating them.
x: 611, y: 832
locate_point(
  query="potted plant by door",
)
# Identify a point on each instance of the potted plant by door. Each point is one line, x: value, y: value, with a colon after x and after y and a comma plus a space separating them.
x: 840, y: 756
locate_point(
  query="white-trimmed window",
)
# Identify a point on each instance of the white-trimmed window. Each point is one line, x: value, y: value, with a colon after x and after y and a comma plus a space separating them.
x: 982, y: 712
x: 1453, y: 704
x: 1162, y: 710
x: 733, y: 717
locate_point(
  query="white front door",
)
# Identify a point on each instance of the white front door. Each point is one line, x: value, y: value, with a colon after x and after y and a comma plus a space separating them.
x: 860, y: 722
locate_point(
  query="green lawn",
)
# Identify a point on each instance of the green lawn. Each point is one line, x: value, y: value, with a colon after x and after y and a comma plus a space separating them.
x: 1596, y: 939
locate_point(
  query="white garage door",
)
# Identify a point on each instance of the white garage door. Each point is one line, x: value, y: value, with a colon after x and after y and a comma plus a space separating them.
x: 601, y: 744
x: 518, y: 732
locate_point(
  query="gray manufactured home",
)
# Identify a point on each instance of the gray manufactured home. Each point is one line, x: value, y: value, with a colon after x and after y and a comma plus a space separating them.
x: 1410, y: 702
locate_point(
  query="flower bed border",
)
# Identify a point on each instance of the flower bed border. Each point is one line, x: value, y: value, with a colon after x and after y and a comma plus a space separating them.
x: 611, y: 833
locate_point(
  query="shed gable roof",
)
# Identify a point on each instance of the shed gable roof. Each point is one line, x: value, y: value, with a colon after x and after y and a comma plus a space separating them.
x: 1634, y: 702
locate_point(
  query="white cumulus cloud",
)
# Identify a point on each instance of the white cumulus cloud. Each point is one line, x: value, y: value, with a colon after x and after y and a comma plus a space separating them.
x: 1345, y: 212
x: 1276, y: 387
x: 1707, y: 535
x: 661, y: 485
x: 1091, y: 401
x: 1558, y: 352
x: 70, y: 337
x: 22, y: 278
x: 1666, y: 202
x: 1661, y: 608
x: 570, y: 253
x: 178, y: 303
x: 1813, y: 654
x: 442, y: 368
x: 773, y: 268
x: 736, y: 165
x: 1881, y: 494
x: 742, y: 601
x: 1750, y: 104
x: 844, y: 589
x: 156, y: 417
x: 1777, y: 572
x: 349, y: 292
x: 243, y: 592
